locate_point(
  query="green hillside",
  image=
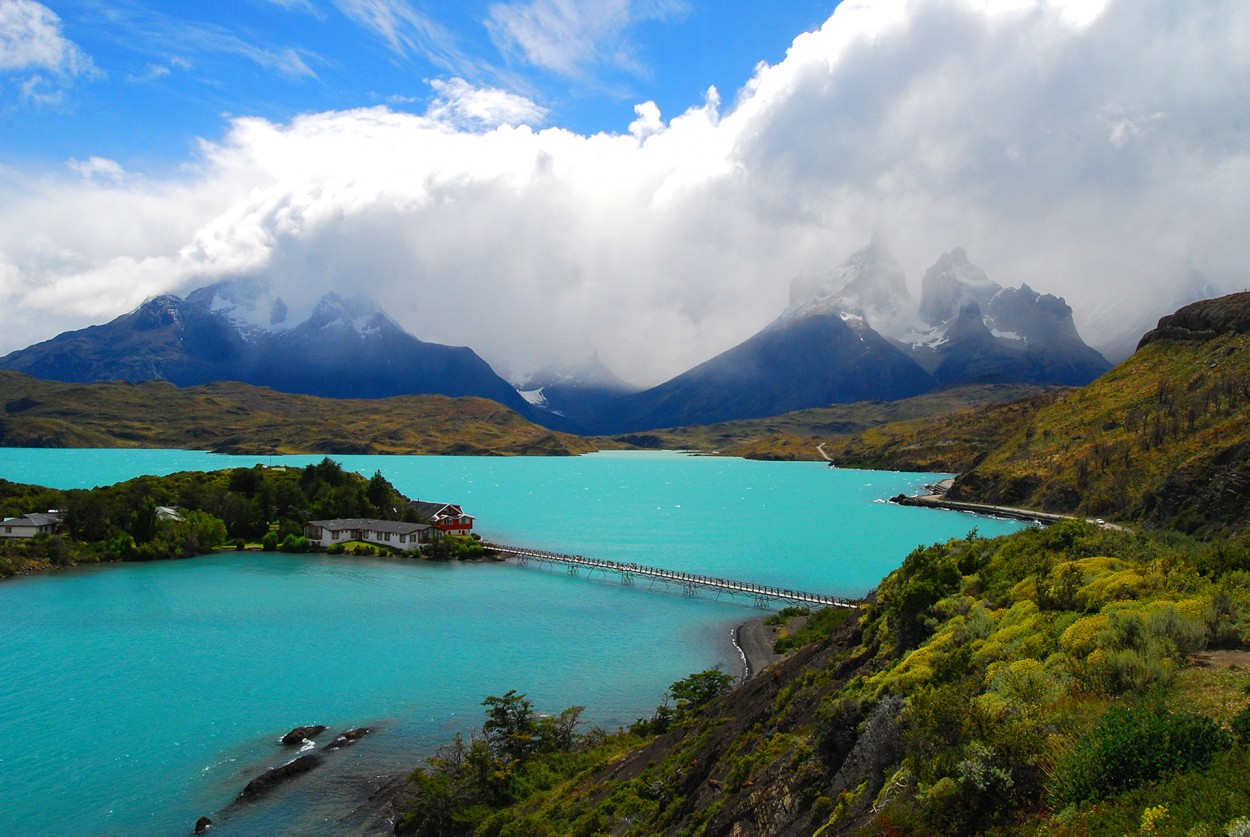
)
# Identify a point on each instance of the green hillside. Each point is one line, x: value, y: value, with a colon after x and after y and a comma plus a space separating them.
x: 796, y: 435
x: 1164, y: 438
x: 234, y: 417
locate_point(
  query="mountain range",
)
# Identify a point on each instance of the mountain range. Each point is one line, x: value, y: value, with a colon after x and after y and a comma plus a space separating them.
x: 240, y: 331
x: 855, y: 334
x: 852, y: 334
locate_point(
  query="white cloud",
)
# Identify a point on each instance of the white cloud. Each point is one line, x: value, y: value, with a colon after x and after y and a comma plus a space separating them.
x: 100, y: 168
x: 30, y: 37
x: 406, y: 30
x: 460, y: 103
x: 566, y: 36
x: 33, y: 50
x: 1100, y: 157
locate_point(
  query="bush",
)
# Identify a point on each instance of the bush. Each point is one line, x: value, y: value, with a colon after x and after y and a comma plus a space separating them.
x: 295, y: 543
x: 1128, y: 748
x: 1241, y: 725
x: 269, y: 542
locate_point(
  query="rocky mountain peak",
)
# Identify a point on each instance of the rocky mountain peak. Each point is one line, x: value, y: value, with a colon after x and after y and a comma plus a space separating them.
x: 158, y: 312
x: 949, y: 283
x: 870, y: 285
x: 1038, y: 319
x: 968, y: 325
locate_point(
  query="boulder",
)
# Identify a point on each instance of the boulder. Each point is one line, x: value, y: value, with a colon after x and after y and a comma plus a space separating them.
x: 267, y: 781
x: 297, y: 735
x: 202, y: 825
x: 348, y: 738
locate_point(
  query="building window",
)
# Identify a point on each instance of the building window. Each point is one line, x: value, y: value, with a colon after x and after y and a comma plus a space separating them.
x: 8, y: 530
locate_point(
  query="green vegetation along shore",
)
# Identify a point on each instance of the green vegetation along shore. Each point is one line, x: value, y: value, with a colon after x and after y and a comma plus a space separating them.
x: 258, y: 507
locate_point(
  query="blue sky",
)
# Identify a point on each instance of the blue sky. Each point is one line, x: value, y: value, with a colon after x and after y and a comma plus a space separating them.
x: 154, y: 76
x: 546, y: 180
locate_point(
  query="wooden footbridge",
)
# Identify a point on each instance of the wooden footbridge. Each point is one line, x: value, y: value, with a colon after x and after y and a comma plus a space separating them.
x: 688, y: 583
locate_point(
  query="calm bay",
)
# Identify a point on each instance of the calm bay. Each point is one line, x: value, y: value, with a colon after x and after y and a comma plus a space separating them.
x: 136, y: 698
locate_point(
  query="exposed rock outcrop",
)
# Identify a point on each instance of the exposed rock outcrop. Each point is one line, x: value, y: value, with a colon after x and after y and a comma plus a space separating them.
x: 348, y: 738
x: 299, y: 734
x: 270, y: 779
x: 1204, y: 320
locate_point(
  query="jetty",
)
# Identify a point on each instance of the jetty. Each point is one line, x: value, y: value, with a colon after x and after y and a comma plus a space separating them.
x: 689, y: 584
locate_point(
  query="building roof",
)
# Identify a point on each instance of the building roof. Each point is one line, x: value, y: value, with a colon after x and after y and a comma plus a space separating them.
x: 393, y: 526
x: 34, y: 519
x: 430, y: 511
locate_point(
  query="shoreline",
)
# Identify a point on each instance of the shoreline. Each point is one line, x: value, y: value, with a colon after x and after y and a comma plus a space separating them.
x: 755, y: 645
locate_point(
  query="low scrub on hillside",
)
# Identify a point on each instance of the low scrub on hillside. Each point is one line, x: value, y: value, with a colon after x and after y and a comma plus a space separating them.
x: 237, y: 418
x: 1163, y: 438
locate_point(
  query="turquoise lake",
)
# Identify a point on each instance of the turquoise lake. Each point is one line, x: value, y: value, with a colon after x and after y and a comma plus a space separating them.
x: 136, y: 698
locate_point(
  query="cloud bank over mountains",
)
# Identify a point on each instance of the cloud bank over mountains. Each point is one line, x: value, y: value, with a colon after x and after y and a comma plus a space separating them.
x: 1095, y: 150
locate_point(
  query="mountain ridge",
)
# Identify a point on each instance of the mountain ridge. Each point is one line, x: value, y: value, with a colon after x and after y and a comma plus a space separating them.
x: 344, y: 348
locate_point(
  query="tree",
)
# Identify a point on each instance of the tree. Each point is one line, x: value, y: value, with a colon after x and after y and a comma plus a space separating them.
x: 692, y: 693
x: 88, y: 515
x: 510, y: 728
x: 379, y: 492
x: 143, y: 520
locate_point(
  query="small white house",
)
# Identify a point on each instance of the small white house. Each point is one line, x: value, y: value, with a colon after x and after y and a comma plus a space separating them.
x: 382, y: 532
x: 29, y: 525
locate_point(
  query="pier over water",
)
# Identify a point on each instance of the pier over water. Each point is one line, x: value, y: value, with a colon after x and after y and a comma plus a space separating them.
x: 689, y: 583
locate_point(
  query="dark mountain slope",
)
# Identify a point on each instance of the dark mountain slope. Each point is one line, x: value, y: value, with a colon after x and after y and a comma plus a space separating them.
x: 344, y: 349
x: 795, y: 363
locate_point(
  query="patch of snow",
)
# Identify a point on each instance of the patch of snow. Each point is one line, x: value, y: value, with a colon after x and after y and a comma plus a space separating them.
x: 852, y: 319
x: 534, y: 396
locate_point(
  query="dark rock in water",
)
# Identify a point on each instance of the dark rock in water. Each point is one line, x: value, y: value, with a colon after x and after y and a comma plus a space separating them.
x: 202, y: 825
x: 348, y: 738
x: 270, y: 779
x: 297, y: 735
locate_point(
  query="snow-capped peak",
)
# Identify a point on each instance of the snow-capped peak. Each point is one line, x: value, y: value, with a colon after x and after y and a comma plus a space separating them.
x: 951, y: 282
x: 869, y: 288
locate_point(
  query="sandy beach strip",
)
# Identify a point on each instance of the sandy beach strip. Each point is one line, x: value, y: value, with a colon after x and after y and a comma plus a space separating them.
x: 755, y: 643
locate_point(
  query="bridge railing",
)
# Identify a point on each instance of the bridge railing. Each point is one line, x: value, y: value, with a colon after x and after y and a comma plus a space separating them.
x: 711, y: 582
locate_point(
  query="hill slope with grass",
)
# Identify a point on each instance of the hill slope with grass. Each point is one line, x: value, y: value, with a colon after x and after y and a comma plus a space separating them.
x: 234, y: 417
x: 1163, y: 438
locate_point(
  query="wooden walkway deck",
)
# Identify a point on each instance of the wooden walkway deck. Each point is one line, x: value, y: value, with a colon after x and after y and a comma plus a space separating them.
x: 689, y: 583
